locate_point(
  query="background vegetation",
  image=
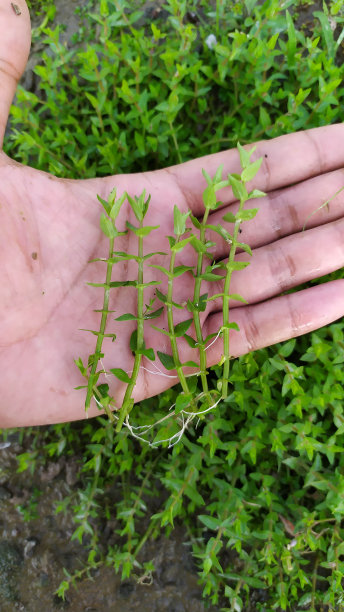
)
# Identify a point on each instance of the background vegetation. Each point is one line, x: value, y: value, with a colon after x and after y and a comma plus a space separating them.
x: 258, y: 485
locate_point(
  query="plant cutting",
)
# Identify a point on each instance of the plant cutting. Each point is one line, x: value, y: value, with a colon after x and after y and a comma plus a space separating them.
x: 192, y: 402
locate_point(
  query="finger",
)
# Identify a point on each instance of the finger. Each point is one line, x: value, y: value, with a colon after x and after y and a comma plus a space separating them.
x: 278, y: 319
x: 285, y: 264
x: 287, y: 160
x: 284, y: 212
x: 15, y: 39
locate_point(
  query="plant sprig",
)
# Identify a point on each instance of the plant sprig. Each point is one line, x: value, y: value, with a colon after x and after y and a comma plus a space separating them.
x: 137, y: 344
x: 108, y: 226
x: 191, y: 402
x: 238, y: 185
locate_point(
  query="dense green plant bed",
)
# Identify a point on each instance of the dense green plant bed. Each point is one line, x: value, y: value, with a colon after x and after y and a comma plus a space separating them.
x: 258, y: 482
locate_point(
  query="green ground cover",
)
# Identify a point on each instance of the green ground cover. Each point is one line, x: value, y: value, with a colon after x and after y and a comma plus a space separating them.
x: 259, y: 483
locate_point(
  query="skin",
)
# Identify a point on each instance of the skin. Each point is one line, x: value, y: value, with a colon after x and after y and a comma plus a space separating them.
x: 49, y: 230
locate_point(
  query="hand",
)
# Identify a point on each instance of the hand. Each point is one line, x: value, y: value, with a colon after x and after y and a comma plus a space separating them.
x: 49, y: 231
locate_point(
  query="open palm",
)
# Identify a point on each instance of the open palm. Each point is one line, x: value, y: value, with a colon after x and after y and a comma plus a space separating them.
x: 49, y: 231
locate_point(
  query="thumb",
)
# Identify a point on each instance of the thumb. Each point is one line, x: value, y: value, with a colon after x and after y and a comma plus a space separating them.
x: 15, y: 40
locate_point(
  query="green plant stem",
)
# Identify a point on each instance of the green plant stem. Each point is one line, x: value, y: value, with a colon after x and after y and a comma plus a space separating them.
x: 196, y: 298
x: 100, y: 337
x: 226, y: 330
x: 172, y: 335
x: 175, y: 142
x: 128, y: 401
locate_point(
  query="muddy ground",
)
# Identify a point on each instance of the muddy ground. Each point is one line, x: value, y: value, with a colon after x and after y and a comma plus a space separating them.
x: 35, y: 546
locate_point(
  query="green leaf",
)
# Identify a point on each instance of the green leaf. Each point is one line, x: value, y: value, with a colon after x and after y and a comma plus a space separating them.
x: 209, y: 521
x: 178, y: 246
x: 122, y: 284
x: 107, y: 227
x: 178, y: 270
x: 98, y: 333
x: 207, y: 565
x: 120, y: 374
x: 163, y: 331
x: 218, y: 174
x: 237, y: 265
x: 116, y: 206
x: 247, y: 215
x: 305, y: 600
x: 182, y: 327
x: 149, y: 255
x: 150, y: 284
x: 231, y: 326
x: 140, y: 232
x: 256, y: 193
x: 207, y: 177
x: 250, y: 172
x: 327, y: 32
x: 209, y: 197
x: 191, y: 342
x: 172, y: 241
x: 127, y: 317
x: 105, y: 205
x: 197, y: 244
x: 155, y: 314
x: 230, y: 217
x: 122, y: 256
x: 103, y: 390
x: 237, y: 297
x: 210, y: 276
x: 195, y: 222
x: 138, y: 206
x: 239, y: 190
x: 201, y: 306
x: 78, y: 362
x: 133, y: 341
x: 183, y: 401
x: 291, y: 45
x: 162, y: 269
x: 166, y: 360
x: 179, y: 221
x: 244, y: 247
x: 149, y: 353
x: 245, y: 156
x: 162, y: 297
x: 190, y: 364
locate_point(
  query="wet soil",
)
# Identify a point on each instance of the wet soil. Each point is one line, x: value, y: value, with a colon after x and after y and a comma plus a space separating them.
x: 35, y: 546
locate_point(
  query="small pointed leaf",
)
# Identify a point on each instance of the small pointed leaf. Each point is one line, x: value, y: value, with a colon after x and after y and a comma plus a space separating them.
x: 247, y: 215
x: 120, y: 374
x: 237, y: 297
x: 163, y: 331
x: 256, y: 193
x: 178, y: 270
x: 149, y: 353
x: 250, y: 171
x: 229, y: 217
x: 127, y: 317
x: 191, y: 342
x: 239, y: 190
x: 166, y: 360
x: 179, y: 219
x: 182, y: 327
x: 107, y: 227
x: 155, y: 314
